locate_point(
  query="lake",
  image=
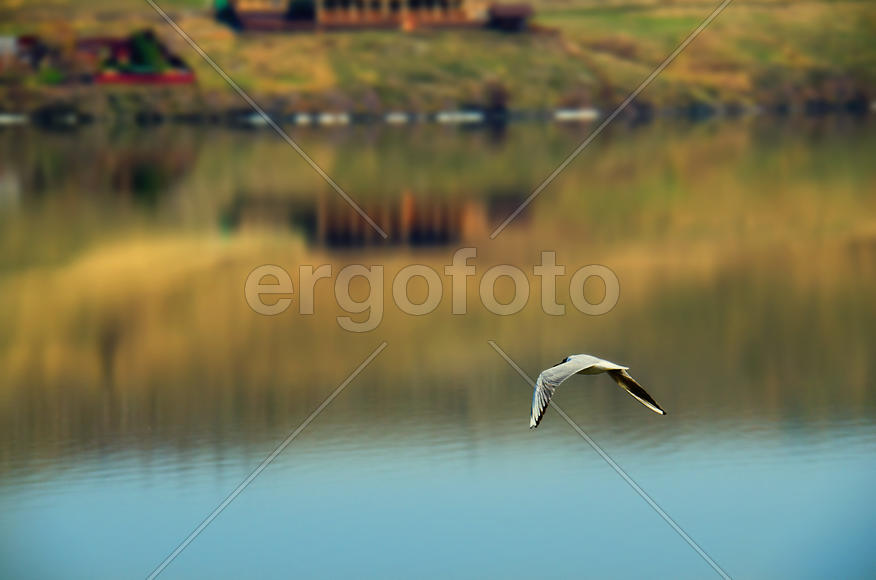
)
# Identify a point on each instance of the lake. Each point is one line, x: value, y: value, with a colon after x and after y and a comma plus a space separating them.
x: 139, y: 386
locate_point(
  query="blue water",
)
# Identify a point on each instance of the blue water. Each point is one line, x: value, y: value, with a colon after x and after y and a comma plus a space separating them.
x: 449, y: 502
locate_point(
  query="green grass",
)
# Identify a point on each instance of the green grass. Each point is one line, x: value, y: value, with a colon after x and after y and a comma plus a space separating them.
x: 600, y: 52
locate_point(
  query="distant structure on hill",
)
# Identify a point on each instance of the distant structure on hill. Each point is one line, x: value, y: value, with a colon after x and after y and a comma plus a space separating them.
x: 140, y: 58
x: 509, y: 17
x: 280, y: 15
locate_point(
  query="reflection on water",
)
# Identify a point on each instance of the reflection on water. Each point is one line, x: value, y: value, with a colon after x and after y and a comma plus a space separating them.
x: 138, y: 388
x: 325, y: 219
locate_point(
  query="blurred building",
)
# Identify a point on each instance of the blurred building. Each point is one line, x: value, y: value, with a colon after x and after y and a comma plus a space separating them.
x: 140, y: 58
x: 335, y: 14
x: 22, y: 53
x: 8, y: 52
x: 509, y: 17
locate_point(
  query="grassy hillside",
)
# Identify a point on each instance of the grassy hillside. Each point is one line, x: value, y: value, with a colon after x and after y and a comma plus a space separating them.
x: 597, y: 53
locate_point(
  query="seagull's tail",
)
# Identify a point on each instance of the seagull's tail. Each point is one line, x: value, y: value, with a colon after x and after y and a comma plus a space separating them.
x: 629, y: 384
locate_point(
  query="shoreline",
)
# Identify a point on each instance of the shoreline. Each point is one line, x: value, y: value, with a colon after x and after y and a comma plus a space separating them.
x: 61, y: 115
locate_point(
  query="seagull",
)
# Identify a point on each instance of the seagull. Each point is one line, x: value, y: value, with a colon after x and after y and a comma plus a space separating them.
x: 584, y: 364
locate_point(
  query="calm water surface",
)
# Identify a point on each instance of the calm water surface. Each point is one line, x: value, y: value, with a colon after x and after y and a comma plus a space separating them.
x: 138, y: 389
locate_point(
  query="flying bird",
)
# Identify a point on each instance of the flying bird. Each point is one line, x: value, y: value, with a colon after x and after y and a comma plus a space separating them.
x: 584, y: 364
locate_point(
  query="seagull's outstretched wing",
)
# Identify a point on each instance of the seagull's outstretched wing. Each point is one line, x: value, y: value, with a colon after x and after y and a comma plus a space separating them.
x: 550, y: 379
x: 629, y: 384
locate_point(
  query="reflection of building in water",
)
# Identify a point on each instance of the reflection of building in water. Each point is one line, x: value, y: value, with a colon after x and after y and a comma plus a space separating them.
x: 407, y: 219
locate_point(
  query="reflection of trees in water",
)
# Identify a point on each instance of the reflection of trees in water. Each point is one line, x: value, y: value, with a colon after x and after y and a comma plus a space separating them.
x: 10, y: 187
x: 77, y: 188
x: 143, y: 165
x: 146, y: 177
